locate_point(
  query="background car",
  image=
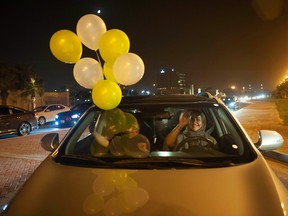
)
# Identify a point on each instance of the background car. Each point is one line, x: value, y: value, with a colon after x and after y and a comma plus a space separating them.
x: 231, y: 102
x: 69, y: 118
x: 15, y: 120
x: 101, y: 168
x: 46, y: 113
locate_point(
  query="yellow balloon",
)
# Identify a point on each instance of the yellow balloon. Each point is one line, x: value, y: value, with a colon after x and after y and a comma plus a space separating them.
x: 106, y: 94
x: 108, y: 71
x: 112, y: 44
x: 112, y: 126
x: 66, y: 46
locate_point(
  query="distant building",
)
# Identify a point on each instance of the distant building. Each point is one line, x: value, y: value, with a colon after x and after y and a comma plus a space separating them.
x: 172, y: 82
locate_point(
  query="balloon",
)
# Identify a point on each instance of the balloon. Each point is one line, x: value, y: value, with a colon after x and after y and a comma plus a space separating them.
x: 128, y: 69
x: 89, y: 29
x: 106, y: 94
x: 137, y: 146
x: 133, y: 198
x: 87, y: 72
x: 108, y: 71
x: 128, y: 184
x: 116, y: 146
x: 114, y: 122
x: 93, y: 204
x: 103, y: 187
x: 98, y: 149
x: 131, y: 122
x: 113, y: 207
x: 112, y: 44
x: 116, y: 177
x: 66, y: 46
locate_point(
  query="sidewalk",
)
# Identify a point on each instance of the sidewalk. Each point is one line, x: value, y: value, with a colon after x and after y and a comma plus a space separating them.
x: 18, y: 160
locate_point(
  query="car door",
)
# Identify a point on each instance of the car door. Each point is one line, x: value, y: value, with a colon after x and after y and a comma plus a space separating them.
x: 8, y: 121
x: 52, y: 110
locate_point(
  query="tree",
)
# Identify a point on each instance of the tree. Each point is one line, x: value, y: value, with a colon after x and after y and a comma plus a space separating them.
x: 31, y: 84
x: 22, y: 78
x: 282, y: 89
x: 8, y: 77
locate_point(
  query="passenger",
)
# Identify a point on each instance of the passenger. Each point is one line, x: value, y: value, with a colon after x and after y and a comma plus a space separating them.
x: 193, y: 125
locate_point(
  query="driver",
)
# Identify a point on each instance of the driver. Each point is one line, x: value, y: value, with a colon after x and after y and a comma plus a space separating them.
x: 193, y: 125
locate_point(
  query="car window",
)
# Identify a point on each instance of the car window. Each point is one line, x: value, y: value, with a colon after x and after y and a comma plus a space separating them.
x: 141, y: 131
x: 15, y: 111
x: 4, y: 111
x: 58, y: 107
x: 39, y: 109
x: 51, y: 108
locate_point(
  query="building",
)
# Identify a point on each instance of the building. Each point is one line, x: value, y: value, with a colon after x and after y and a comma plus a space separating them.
x: 15, y: 99
x: 170, y: 81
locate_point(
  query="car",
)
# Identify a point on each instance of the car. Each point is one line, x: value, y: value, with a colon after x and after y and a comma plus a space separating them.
x: 231, y: 102
x: 69, y: 118
x: 114, y: 162
x: 47, y: 113
x: 15, y: 120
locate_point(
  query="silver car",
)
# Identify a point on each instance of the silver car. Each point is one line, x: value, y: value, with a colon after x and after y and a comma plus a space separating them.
x: 116, y: 162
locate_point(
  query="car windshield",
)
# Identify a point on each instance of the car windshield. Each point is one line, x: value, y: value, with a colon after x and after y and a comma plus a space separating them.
x: 137, y: 132
x: 81, y: 106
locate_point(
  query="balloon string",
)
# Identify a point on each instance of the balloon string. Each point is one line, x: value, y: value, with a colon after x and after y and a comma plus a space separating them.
x: 99, y: 60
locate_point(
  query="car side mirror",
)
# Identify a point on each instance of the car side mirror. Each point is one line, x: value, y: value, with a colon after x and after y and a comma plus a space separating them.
x: 269, y: 140
x: 50, y: 141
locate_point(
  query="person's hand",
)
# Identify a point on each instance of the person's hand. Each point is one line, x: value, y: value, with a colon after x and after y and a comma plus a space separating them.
x: 184, y: 119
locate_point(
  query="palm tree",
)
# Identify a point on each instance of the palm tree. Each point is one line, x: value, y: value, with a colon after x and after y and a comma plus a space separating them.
x: 31, y: 84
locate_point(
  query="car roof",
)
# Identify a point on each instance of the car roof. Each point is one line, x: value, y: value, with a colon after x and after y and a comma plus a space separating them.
x: 167, y: 99
x: 14, y: 107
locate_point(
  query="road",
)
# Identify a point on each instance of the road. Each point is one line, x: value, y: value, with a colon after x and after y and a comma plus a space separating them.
x: 20, y: 156
x: 264, y: 115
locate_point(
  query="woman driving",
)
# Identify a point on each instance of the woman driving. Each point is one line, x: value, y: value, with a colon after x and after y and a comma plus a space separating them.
x: 193, y: 136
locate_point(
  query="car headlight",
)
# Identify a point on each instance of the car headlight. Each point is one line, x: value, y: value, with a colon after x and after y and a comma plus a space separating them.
x: 232, y: 104
x: 56, y: 116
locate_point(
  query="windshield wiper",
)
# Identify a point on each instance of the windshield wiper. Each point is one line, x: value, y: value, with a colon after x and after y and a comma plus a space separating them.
x: 180, y: 161
x: 83, y: 159
x: 144, y: 163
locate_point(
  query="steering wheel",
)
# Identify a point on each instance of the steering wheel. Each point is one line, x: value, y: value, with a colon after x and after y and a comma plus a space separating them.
x: 210, y: 144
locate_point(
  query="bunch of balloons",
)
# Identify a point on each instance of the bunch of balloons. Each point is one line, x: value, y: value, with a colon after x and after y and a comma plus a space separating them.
x: 120, y: 66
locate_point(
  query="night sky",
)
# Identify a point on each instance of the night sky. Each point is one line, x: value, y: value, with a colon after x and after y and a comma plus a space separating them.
x: 219, y: 42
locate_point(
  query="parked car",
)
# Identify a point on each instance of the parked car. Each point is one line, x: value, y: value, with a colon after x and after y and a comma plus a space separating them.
x: 15, y: 120
x: 47, y: 113
x: 231, y: 102
x: 69, y: 118
x: 113, y: 162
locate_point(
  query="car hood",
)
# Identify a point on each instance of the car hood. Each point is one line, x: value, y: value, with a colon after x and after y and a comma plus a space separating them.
x: 57, y: 189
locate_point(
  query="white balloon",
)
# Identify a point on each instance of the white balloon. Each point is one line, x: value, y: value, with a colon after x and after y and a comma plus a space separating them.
x: 89, y: 29
x: 87, y: 72
x: 128, y: 69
